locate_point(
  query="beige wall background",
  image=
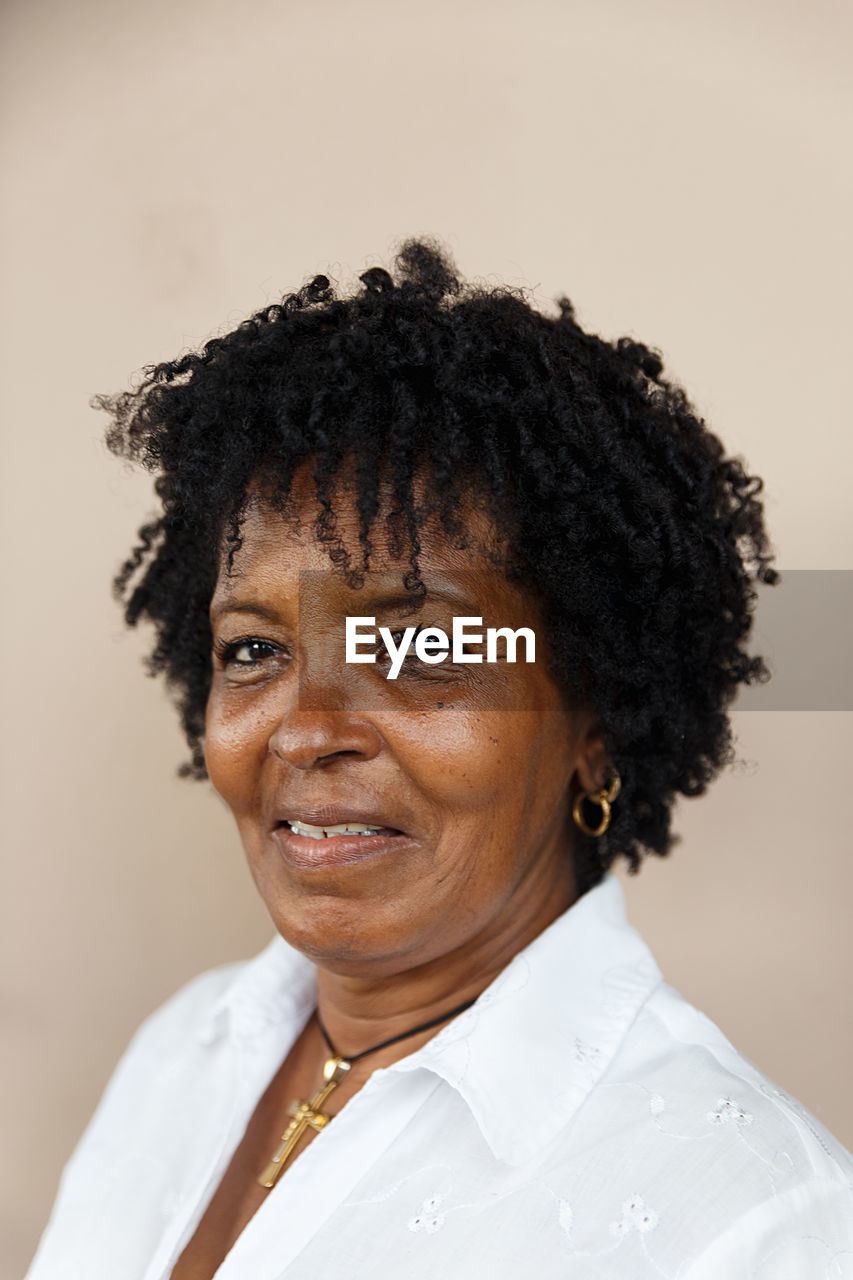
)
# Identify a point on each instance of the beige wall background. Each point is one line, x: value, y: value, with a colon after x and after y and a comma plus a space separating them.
x: 678, y: 167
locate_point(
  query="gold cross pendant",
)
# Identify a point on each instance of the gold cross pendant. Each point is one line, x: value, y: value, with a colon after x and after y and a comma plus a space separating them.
x: 306, y: 1115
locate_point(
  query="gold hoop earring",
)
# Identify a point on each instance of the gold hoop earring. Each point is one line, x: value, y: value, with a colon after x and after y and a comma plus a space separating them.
x: 604, y: 797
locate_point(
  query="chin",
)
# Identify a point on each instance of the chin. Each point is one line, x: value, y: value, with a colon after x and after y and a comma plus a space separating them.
x: 353, y: 939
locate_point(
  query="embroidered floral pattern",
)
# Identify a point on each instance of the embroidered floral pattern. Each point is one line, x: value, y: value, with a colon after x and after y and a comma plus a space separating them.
x: 585, y: 1053
x: 729, y: 1112
x: 636, y: 1216
x: 428, y: 1219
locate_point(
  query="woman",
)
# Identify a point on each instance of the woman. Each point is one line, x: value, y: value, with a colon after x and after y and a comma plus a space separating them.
x: 456, y: 1053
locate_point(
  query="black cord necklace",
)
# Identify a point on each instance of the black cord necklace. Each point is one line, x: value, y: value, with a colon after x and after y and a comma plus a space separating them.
x: 404, y: 1035
x: 307, y: 1115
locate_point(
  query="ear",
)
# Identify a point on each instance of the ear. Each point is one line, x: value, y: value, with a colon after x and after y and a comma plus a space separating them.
x: 593, y: 759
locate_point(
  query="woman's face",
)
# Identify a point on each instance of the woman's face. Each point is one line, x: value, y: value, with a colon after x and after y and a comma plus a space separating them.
x: 462, y: 771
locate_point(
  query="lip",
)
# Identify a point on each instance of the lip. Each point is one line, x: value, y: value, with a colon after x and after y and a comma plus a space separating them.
x: 304, y: 853
x: 334, y: 816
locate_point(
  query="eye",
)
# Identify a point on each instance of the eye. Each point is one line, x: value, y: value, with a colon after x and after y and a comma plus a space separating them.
x: 383, y: 656
x: 398, y: 639
x: 245, y: 652
x: 413, y: 670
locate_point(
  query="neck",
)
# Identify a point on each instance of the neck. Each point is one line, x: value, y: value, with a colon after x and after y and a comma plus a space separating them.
x: 360, y: 1011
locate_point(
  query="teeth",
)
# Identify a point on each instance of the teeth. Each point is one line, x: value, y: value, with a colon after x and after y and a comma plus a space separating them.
x: 342, y: 829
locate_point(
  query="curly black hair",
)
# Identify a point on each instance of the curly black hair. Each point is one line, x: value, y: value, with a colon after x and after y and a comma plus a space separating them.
x: 640, y: 538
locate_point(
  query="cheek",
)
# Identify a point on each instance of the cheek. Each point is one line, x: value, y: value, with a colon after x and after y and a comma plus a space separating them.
x: 514, y: 771
x: 235, y: 747
x: 471, y: 762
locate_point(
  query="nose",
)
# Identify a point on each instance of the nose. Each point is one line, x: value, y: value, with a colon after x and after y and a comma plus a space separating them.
x: 316, y: 739
x: 320, y: 728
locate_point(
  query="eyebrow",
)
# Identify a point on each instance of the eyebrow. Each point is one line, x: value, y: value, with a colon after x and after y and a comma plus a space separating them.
x: 393, y: 605
x: 397, y: 605
x: 401, y: 605
x: 243, y: 606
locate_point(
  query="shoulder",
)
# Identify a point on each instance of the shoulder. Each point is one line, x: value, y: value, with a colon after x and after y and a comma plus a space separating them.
x: 182, y: 1024
x: 188, y: 1015
x: 127, y: 1127
x: 236, y: 998
x: 712, y: 1153
x: 702, y: 1072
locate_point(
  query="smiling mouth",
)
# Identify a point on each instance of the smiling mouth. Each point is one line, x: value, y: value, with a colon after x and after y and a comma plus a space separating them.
x: 312, y: 847
x: 340, y: 829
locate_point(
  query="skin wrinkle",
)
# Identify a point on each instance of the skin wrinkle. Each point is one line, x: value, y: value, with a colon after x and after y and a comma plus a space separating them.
x: 375, y: 431
x: 492, y: 862
x: 639, y: 540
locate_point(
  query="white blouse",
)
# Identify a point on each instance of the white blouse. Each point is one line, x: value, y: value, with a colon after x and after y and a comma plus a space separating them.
x: 580, y: 1120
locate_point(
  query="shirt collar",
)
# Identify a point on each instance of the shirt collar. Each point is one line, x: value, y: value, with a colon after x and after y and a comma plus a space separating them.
x: 277, y: 988
x: 546, y: 1029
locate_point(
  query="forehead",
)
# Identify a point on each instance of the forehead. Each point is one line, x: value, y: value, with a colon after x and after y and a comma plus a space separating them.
x: 284, y: 553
